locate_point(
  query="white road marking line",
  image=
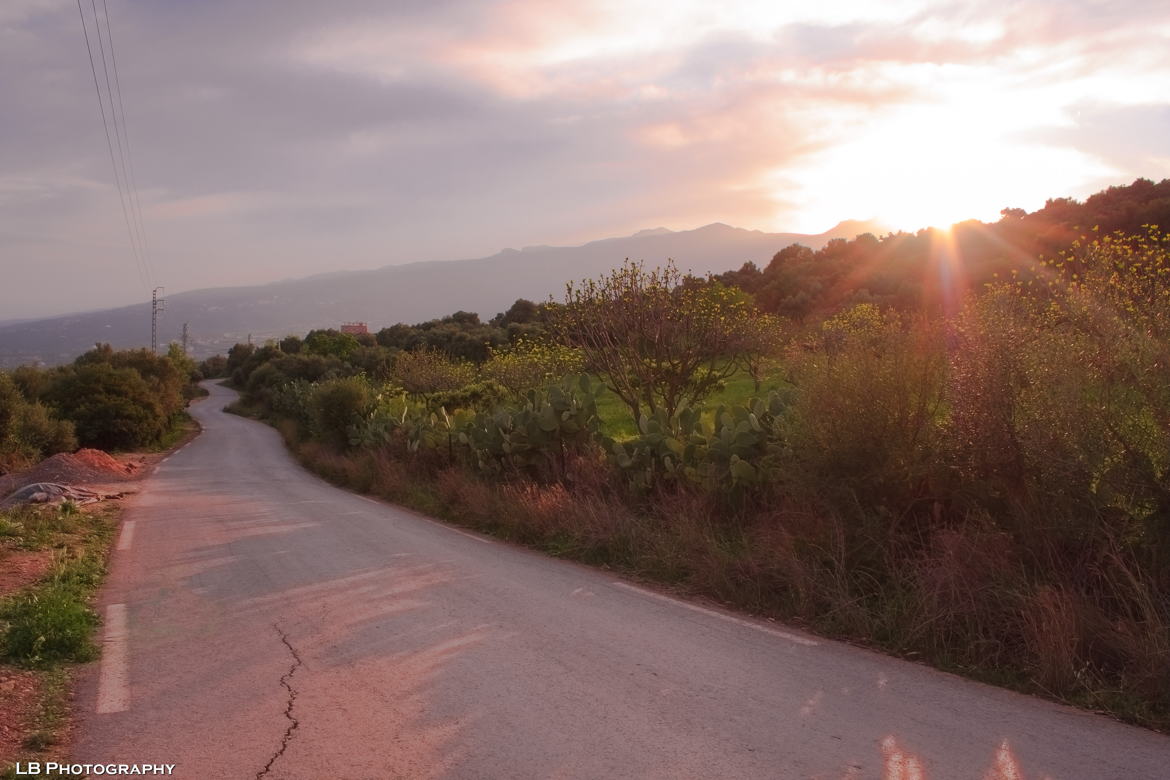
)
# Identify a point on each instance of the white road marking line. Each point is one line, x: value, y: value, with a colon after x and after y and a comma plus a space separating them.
x: 126, y: 538
x: 455, y: 530
x: 114, y: 681
x: 800, y: 640
x: 468, y: 535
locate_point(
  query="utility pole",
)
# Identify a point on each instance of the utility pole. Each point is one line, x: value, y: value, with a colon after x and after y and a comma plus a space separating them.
x: 185, y: 338
x: 157, y: 304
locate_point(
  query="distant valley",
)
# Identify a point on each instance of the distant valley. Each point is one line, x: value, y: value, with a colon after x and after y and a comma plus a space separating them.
x: 220, y: 317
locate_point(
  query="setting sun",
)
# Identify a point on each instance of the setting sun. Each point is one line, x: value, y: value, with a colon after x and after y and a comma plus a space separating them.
x: 931, y: 165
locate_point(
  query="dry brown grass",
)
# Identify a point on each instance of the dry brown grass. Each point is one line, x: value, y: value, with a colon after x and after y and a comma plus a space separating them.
x: 964, y: 602
x: 475, y: 501
x: 1142, y: 634
x: 1052, y: 634
x: 390, y: 476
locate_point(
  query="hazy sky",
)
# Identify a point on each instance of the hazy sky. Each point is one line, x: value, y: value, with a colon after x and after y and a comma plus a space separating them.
x: 280, y: 138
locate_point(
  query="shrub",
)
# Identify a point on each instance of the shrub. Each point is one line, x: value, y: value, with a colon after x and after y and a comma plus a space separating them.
x: 527, y: 364
x: 477, y: 395
x: 214, y: 367
x: 165, y: 376
x: 263, y: 383
x: 11, y: 400
x: 112, y: 408
x: 28, y: 432
x: 41, y: 434
x: 292, y: 401
x: 331, y: 343
x: 426, y: 371
x: 336, y: 405
x: 863, y: 427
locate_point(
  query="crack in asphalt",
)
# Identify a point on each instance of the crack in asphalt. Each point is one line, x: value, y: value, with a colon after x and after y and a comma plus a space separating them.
x: 292, y: 697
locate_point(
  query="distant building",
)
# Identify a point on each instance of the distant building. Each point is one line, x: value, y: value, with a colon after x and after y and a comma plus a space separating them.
x: 355, y: 328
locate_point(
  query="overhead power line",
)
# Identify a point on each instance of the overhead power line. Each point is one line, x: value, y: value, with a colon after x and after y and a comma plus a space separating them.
x: 121, y: 181
x: 125, y: 135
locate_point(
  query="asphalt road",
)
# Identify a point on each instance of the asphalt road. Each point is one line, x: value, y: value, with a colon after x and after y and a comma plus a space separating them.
x: 261, y: 623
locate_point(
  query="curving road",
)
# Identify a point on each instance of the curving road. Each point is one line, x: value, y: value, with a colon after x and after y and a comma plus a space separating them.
x: 261, y: 623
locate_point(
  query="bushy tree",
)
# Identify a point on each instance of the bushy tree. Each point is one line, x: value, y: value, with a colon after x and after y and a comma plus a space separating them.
x: 112, y: 408
x: 330, y: 343
x: 249, y: 360
x: 764, y: 339
x: 656, y: 342
x: 165, y: 377
x: 1061, y: 391
x: 460, y: 335
x: 32, y: 381
x: 427, y: 371
x: 337, y: 404
x: 28, y: 431
x: 375, y: 361
x: 525, y: 365
x: 214, y: 367
x: 522, y: 312
x: 39, y: 434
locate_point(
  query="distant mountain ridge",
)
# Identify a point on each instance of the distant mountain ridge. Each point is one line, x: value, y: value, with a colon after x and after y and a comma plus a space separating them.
x: 413, y: 292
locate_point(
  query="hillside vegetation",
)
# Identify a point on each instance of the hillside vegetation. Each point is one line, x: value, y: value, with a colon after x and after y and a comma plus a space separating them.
x: 106, y: 399
x: 953, y: 445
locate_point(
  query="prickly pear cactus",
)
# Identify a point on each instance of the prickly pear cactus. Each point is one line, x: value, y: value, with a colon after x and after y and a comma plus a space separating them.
x: 728, y: 449
x: 537, y: 437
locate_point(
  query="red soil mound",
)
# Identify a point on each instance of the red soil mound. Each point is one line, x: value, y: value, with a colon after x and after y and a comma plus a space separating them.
x: 103, y: 460
x: 87, y: 467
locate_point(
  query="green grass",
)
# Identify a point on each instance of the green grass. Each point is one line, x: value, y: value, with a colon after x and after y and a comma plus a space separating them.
x: 241, y: 409
x: 182, y: 425
x: 48, y: 624
x: 38, y: 527
x: 52, y: 622
x: 616, y: 420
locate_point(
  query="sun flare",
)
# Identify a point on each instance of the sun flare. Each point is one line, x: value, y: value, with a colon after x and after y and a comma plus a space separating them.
x: 938, y: 164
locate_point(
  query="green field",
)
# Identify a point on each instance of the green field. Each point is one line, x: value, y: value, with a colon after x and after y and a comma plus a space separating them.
x: 737, y: 389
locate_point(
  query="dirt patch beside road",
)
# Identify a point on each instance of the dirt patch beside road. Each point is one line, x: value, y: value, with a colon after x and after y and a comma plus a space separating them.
x: 19, y: 568
x: 20, y: 698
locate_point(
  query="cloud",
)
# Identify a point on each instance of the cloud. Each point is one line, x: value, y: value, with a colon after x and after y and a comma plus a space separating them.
x: 1128, y: 138
x: 272, y: 139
